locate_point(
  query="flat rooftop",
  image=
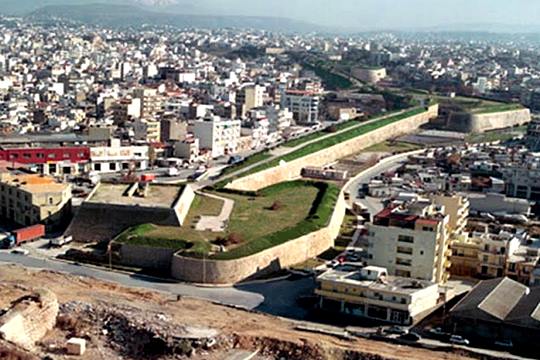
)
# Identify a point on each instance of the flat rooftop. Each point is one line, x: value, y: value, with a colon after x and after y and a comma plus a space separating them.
x: 32, y: 183
x: 162, y: 196
x: 349, y: 275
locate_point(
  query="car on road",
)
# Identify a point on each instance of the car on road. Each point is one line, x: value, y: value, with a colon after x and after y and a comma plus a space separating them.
x: 20, y: 252
x: 412, y: 336
x: 458, y: 340
x: 398, y: 330
x: 438, y: 332
x: 504, y: 344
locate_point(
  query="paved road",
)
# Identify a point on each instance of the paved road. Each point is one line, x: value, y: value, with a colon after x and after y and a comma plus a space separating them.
x: 391, y: 164
x: 227, y: 295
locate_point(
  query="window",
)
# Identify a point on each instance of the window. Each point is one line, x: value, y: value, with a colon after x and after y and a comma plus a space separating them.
x: 403, y: 262
x: 27, y: 155
x: 40, y: 155
x: 97, y: 167
x: 406, y: 239
x: 51, y: 156
x: 404, y: 250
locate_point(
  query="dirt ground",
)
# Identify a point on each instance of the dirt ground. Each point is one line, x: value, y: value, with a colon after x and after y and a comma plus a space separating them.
x: 275, y: 337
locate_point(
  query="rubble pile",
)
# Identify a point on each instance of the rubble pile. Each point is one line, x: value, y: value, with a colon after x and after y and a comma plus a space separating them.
x: 136, y: 334
x: 279, y: 349
x: 29, y: 318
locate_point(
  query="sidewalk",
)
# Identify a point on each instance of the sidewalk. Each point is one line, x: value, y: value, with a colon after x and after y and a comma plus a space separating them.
x: 216, y: 223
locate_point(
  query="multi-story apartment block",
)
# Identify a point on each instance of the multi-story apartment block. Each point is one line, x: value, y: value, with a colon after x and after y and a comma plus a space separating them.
x: 412, y: 239
x: 303, y: 104
x: 28, y: 199
x: 250, y: 96
x: 522, y: 178
x: 218, y: 135
x: 370, y: 292
x: 496, y: 253
x: 151, y: 101
x: 148, y: 130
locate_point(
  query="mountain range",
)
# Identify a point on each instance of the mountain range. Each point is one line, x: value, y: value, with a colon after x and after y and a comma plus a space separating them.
x: 115, y: 15
x: 194, y: 14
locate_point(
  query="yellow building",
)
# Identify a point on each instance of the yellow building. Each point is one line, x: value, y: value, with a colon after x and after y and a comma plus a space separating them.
x: 370, y: 292
x: 28, y: 199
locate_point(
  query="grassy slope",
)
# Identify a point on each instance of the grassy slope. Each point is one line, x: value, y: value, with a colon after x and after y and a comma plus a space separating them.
x: 332, y: 140
x: 305, y: 207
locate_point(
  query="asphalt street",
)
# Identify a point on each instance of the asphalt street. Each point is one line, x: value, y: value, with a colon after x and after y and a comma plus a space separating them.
x: 251, y: 296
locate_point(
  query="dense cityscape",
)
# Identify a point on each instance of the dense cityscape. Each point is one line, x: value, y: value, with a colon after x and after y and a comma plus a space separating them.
x: 229, y: 192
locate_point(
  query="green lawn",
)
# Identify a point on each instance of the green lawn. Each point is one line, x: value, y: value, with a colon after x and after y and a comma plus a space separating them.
x: 492, y: 136
x: 499, y: 107
x: 253, y: 159
x: 392, y: 147
x: 180, y: 238
x: 319, y: 134
x: 303, y: 207
x: 349, y: 225
x: 333, y: 140
x: 331, y: 80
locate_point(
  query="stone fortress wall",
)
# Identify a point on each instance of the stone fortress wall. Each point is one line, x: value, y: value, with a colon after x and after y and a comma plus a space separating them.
x: 292, y: 170
x: 292, y: 252
x: 477, y: 123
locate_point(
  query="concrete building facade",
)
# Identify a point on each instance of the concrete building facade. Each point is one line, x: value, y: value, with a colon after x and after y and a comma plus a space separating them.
x: 29, y: 199
x: 369, y: 292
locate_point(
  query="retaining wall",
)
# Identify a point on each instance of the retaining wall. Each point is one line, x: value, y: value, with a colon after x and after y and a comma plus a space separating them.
x: 476, y: 123
x: 146, y: 257
x: 95, y: 222
x: 183, y: 203
x: 292, y: 170
x: 270, y: 260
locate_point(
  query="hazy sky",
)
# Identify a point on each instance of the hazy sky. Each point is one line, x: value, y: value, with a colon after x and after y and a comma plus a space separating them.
x: 384, y: 13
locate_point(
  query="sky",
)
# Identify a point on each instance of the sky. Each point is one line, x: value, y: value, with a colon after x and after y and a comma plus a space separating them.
x: 381, y: 14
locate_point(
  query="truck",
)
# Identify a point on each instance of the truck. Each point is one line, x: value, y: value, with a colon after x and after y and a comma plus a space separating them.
x: 24, y: 235
x: 60, y: 241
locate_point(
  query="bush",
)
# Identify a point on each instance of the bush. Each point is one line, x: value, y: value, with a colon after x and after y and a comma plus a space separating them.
x: 276, y: 206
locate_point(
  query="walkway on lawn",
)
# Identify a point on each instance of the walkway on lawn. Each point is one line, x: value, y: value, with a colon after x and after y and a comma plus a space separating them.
x: 216, y: 223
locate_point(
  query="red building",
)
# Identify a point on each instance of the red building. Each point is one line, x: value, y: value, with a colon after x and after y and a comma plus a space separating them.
x: 49, y: 160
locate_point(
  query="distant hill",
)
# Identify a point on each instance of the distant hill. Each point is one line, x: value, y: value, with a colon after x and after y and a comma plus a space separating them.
x: 128, y: 15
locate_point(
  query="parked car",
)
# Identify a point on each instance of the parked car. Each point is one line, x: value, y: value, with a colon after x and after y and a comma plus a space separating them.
x: 437, y: 332
x: 458, y: 340
x: 20, y: 252
x: 412, y: 336
x: 397, y: 330
x: 504, y: 344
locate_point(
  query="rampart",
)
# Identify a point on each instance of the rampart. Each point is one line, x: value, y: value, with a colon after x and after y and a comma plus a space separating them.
x: 270, y: 260
x: 292, y: 170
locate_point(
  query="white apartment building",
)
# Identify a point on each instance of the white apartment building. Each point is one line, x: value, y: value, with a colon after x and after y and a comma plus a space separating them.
x: 303, y: 104
x: 115, y: 158
x: 412, y: 239
x: 218, y: 135
x: 370, y: 292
